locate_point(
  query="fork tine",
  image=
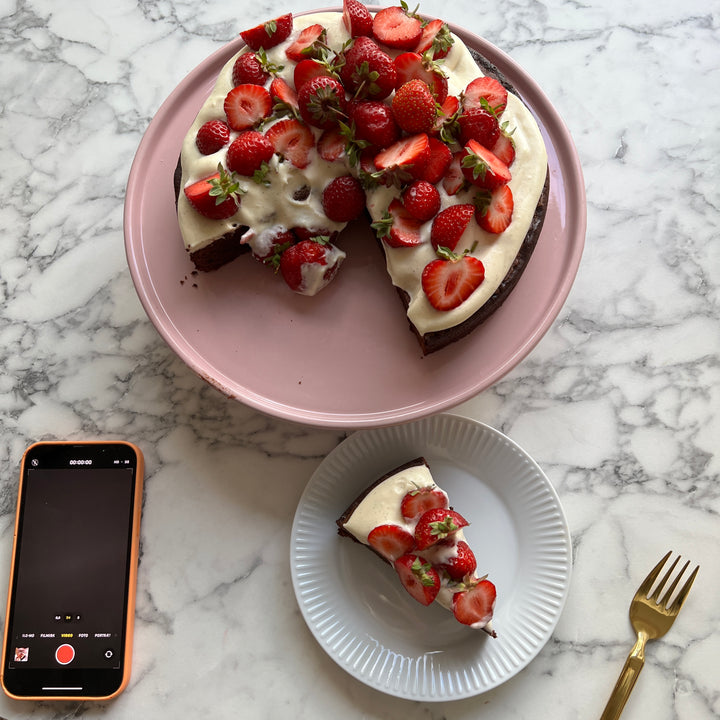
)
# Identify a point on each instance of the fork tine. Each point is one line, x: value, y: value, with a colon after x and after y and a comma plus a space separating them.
x: 684, y: 590
x: 673, y: 585
x: 656, y: 595
x: 647, y: 583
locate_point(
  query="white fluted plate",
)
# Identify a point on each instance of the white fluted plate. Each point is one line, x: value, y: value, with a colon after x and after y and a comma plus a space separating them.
x: 354, y: 604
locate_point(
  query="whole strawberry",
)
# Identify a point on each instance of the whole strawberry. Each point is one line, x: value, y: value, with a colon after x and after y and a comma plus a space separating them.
x: 248, y: 152
x: 414, y: 107
x: 479, y: 124
x: 322, y: 102
x: 249, y: 70
x: 343, y: 199
x: 212, y: 135
x: 422, y: 200
x: 368, y: 71
x: 374, y: 123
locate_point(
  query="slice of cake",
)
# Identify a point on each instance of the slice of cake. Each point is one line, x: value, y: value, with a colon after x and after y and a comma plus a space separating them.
x: 406, y: 519
x: 324, y: 118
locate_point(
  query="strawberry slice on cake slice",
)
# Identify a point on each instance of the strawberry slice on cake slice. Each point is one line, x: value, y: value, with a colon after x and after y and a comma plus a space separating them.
x: 406, y: 519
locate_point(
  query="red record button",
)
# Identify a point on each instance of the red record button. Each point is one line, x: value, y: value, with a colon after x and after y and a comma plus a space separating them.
x: 65, y: 654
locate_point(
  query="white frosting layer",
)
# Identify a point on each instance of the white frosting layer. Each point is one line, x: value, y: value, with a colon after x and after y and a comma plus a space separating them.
x: 265, y: 207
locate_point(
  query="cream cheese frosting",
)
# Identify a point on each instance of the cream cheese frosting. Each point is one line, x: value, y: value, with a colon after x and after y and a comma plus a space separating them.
x: 265, y: 207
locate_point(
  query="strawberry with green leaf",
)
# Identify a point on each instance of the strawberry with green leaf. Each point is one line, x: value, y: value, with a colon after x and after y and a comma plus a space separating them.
x: 217, y: 196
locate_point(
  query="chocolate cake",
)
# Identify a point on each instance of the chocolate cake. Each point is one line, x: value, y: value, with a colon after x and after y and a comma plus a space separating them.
x: 223, y: 240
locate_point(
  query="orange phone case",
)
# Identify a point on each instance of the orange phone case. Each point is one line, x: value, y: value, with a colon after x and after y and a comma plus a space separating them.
x: 132, y: 579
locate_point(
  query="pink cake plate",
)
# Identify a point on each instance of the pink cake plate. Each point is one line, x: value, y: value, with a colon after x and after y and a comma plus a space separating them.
x: 344, y: 358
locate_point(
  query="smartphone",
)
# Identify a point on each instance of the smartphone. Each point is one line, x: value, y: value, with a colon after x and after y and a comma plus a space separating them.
x: 71, y: 601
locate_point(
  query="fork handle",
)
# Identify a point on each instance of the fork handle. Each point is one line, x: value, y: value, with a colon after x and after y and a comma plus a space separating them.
x: 626, y: 681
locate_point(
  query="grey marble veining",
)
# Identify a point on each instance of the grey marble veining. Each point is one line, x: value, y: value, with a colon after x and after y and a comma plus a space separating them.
x: 619, y: 403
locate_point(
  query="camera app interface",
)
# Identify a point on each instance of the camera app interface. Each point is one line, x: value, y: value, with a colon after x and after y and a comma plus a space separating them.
x: 73, y: 564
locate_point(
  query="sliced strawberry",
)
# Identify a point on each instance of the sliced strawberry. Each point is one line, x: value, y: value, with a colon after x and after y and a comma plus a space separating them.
x: 293, y: 140
x: 212, y: 135
x: 248, y: 70
x: 482, y: 168
x: 305, y: 44
x: 343, y: 199
x: 461, y: 565
x: 477, y: 123
x: 397, y: 28
x: 322, y: 102
x: 475, y: 605
x: 368, y: 71
x: 454, y: 179
x: 448, y: 283
x: 308, y: 69
x: 246, y: 105
x: 436, y: 40
x: 216, y: 196
x: 331, y: 145
x: 357, y: 18
x: 419, y: 501
x: 374, y: 123
x: 418, y: 577
x: 437, y: 524
x: 446, y: 113
x: 450, y: 224
x: 494, y: 209
x: 504, y: 148
x: 269, y: 34
x: 282, y: 93
x: 414, y: 107
x: 437, y: 162
x: 248, y: 151
x: 422, y: 200
x: 404, y: 154
x: 412, y: 66
x: 398, y: 228
x: 391, y: 541
x: 485, y: 92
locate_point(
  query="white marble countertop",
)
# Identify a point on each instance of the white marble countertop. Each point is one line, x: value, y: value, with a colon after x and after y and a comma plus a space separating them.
x: 619, y: 403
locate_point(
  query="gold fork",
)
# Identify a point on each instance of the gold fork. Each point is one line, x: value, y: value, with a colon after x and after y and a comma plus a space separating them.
x: 651, y: 618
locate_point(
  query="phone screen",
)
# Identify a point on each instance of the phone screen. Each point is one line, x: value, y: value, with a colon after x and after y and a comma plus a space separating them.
x: 73, y: 565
